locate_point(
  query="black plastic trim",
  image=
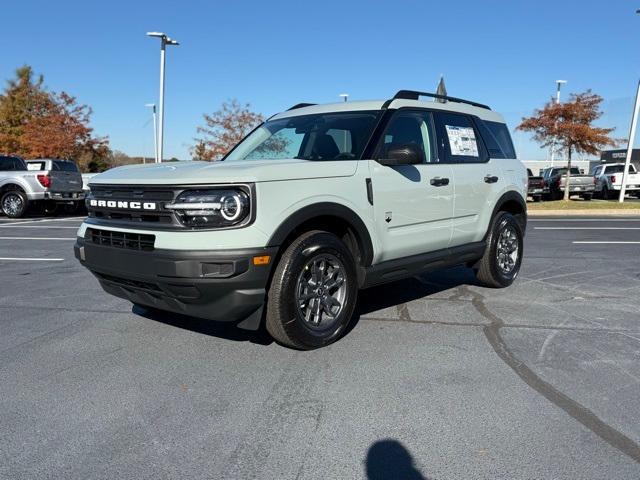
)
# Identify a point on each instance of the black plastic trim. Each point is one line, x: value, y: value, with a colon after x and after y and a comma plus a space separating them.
x: 406, y: 267
x: 369, y: 190
x: 415, y: 95
x: 301, y: 105
x: 220, y: 285
x: 506, y: 197
x: 326, y: 209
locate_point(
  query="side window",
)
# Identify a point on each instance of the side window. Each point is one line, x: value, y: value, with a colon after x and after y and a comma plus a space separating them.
x: 409, y: 127
x: 490, y: 141
x: 5, y: 164
x: 501, y: 133
x: 458, y: 141
x: 342, y: 139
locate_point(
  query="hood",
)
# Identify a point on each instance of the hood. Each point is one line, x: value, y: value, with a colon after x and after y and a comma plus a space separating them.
x: 241, y: 171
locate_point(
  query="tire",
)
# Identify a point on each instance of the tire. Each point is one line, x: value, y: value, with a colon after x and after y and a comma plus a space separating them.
x: 587, y: 197
x: 537, y: 198
x: 493, y: 271
x: 300, y: 316
x: 609, y: 194
x: 14, y: 203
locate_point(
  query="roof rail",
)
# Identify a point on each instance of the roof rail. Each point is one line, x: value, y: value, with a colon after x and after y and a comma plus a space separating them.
x: 301, y: 105
x: 415, y: 95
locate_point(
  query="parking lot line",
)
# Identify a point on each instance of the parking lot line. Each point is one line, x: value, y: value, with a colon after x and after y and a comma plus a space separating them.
x: 586, y: 228
x: 36, y: 226
x: 16, y: 259
x: 37, y: 238
x: 606, y: 242
x: 7, y: 221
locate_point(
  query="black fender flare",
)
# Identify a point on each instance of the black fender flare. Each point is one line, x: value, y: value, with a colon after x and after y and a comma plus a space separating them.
x: 510, y: 197
x: 324, y: 209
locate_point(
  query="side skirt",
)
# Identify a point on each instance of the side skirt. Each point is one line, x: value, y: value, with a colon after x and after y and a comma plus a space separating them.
x: 400, y: 268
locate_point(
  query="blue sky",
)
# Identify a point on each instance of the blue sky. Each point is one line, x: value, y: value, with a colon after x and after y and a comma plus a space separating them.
x: 274, y: 54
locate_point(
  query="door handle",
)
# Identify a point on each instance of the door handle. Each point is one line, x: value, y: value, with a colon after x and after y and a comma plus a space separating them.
x: 491, y: 179
x: 439, y: 181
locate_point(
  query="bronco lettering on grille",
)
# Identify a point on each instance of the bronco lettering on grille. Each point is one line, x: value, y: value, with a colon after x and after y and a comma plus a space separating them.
x: 121, y: 204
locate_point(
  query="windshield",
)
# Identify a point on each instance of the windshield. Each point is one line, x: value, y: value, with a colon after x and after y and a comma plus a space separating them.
x: 325, y: 136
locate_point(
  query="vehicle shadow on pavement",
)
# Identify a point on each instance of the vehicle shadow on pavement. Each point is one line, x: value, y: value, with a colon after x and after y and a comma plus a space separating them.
x: 388, y: 459
x: 216, y: 329
x: 403, y: 291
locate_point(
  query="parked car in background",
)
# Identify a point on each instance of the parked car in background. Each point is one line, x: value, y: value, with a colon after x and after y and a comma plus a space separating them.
x: 60, y: 182
x: 535, y: 187
x: 579, y: 184
x: 608, y: 180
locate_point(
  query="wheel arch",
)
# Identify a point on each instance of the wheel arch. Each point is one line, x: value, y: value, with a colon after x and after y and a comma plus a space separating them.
x: 513, y: 203
x: 6, y: 187
x: 332, y: 217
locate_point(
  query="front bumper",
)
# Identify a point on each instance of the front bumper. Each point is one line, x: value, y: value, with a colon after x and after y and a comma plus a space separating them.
x: 222, y: 285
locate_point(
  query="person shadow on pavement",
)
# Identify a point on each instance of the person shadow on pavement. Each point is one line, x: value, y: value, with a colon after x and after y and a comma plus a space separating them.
x: 388, y: 460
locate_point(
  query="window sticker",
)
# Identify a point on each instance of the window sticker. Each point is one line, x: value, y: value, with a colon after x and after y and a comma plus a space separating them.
x: 462, y: 141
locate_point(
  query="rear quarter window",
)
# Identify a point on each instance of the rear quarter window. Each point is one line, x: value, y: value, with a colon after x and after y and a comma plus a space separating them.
x: 503, y: 137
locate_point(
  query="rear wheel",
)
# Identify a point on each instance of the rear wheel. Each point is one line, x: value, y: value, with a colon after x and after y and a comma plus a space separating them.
x: 587, y: 196
x: 313, y: 292
x: 14, y: 203
x: 500, y: 264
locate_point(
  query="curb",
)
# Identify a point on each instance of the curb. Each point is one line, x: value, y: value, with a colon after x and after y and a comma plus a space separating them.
x: 605, y: 212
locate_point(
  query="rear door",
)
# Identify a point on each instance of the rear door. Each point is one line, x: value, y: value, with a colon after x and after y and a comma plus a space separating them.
x: 412, y: 204
x: 65, y: 177
x: 476, y: 177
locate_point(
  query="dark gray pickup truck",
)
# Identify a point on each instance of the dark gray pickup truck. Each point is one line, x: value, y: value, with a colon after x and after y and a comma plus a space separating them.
x: 579, y: 184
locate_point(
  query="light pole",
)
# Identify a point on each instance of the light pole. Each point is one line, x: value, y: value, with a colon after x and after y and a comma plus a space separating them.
x: 164, y: 41
x: 559, y: 84
x: 344, y: 95
x: 152, y: 106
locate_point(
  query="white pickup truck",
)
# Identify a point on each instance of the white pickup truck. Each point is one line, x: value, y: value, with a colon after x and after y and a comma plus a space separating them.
x: 608, y: 180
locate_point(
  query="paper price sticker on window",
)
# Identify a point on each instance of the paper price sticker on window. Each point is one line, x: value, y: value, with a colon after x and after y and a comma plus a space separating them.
x: 462, y: 141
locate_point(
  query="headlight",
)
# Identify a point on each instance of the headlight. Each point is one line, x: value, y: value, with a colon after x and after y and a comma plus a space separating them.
x: 212, y: 208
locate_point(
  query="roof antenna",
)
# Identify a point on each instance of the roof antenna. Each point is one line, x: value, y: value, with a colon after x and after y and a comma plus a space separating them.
x: 441, y: 90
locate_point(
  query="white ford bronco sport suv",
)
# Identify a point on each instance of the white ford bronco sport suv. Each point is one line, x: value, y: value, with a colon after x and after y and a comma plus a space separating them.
x: 313, y: 205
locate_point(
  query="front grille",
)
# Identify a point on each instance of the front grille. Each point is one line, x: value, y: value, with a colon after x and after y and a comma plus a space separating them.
x: 127, y: 282
x: 132, y: 193
x: 159, y: 195
x: 131, y: 241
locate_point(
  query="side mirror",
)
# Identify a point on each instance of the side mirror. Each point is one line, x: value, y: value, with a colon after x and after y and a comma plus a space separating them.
x: 407, y: 154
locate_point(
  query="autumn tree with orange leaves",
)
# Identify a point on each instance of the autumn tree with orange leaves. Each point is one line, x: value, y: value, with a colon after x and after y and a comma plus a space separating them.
x: 570, y: 126
x: 223, y: 129
x: 37, y: 123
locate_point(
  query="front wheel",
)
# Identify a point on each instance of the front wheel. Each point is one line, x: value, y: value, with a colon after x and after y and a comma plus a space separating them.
x: 313, y: 292
x: 500, y: 264
x: 14, y: 203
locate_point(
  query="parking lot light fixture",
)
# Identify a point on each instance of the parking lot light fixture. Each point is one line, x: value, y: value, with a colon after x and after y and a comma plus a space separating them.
x: 164, y: 41
x: 345, y: 96
x: 559, y: 84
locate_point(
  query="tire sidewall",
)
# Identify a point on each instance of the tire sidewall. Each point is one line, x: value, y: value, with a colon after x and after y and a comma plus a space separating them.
x: 500, y: 222
x: 312, y: 246
x: 22, y: 196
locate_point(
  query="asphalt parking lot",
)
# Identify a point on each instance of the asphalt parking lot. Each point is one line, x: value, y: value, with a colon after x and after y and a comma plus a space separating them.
x: 439, y: 378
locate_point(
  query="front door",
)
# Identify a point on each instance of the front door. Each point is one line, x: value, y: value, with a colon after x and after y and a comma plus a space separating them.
x: 413, y: 204
x: 475, y: 175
